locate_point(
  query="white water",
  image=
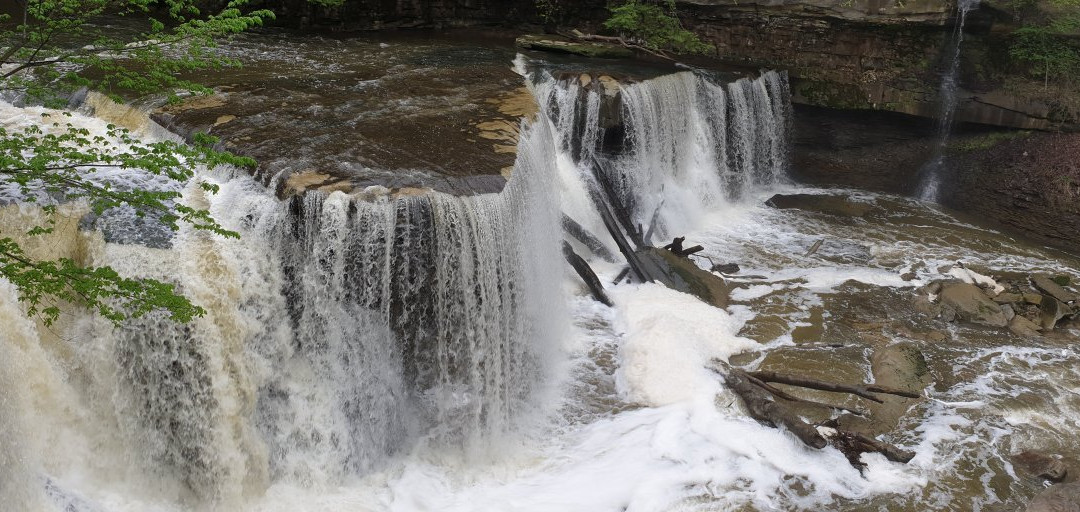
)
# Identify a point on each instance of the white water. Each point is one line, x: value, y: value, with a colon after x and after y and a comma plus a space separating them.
x: 422, y: 353
x: 949, y: 101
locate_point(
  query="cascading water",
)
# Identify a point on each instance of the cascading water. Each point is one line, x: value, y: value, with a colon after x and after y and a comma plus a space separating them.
x: 930, y: 175
x: 689, y: 142
x: 339, y: 332
x: 374, y: 352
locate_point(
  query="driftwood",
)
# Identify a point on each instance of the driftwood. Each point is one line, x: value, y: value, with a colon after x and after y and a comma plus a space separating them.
x: 863, y: 390
x: 792, y: 398
x: 622, y: 275
x: 854, y: 444
x: 763, y: 408
x: 587, y: 274
x: 757, y: 395
x: 572, y: 228
x: 814, y: 248
x: 623, y: 244
x: 676, y: 246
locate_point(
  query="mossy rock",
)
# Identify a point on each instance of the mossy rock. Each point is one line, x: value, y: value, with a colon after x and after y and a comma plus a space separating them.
x: 562, y: 45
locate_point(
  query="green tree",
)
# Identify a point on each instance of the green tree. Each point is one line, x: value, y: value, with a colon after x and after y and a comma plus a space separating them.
x: 656, y: 26
x: 1046, y: 51
x: 49, y: 48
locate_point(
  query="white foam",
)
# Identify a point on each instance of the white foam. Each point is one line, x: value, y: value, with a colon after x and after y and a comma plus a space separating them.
x: 670, y: 339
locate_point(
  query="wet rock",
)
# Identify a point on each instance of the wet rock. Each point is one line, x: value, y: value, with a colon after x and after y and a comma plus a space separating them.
x: 1032, y: 298
x: 1021, y: 326
x: 841, y: 206
x: 1057, y: 498
x: 1008, y: 298
x: 1049, y: 287
x: 1009, y: 312
x: 1041, y: 465
x: 900, y: 366
x: 1051, y: 311
x: 908, y: 277
x: 925, y: 306
x: 726, y: 268
x: 970, y: 304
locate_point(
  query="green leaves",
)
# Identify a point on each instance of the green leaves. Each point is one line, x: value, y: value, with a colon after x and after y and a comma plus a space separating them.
x: 655, y: 26
x: 64, y: 45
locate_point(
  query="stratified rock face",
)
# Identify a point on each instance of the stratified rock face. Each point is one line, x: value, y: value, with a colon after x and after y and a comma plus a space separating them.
x: 871, y: 11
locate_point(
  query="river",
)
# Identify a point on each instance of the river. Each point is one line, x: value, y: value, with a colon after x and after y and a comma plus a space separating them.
x: 406, y: 336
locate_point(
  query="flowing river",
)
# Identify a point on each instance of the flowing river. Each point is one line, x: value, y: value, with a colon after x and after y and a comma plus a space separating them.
x: 406, y: 336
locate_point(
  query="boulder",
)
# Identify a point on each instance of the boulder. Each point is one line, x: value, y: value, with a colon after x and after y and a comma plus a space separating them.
x: 1041, y: 465
x: 1057, y: 498
x: 1051, y: 311
x: 1049, y: 287
x: 838, y: 205
x: 970, y: 304
x: 900, y: 366
x: 1021, y: 326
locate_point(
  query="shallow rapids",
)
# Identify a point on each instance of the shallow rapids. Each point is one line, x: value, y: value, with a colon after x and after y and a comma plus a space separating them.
x: 378, y: 350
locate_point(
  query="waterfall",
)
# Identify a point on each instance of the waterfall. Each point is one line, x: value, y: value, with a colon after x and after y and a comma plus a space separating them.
x: 345, y: 331
x: 930, y: 175
x: 340, y: 330
x: 683, y: 145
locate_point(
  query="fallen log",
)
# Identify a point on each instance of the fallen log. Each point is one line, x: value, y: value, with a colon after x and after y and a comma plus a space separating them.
x: 762, y: 408
x: 863, y: 390
x: 622, y: 275
x: 692, y: 250
x: 587, y: 275
x: 572, y: 228
x: 792, y: 398
x: 854, y: 444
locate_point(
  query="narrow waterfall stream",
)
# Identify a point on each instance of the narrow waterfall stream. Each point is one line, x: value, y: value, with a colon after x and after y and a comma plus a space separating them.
x: 949, y: 100
x: 372, y: 350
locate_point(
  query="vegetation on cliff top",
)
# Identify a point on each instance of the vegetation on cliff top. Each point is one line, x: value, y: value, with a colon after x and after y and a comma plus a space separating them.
x: 48, y: 48
x: 655, y: 25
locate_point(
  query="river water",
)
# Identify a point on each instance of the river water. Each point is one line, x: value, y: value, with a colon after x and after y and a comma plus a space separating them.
x: 390, y: 348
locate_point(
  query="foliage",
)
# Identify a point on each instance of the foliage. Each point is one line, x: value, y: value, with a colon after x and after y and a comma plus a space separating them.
x: 49, y: 49
x: 655, y: 26
x: 1046, y: 52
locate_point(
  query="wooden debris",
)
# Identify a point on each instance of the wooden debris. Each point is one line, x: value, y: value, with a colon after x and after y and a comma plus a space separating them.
x: 757, y: 395
x: 572, y: 228
x: 814, y: 248
x: 587, y: 275
x: 863, y: 390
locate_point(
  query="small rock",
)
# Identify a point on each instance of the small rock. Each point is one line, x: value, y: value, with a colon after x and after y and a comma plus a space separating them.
x: 1057, y: 498
x: 1041, y: 465
x: 972, y: 305
x: 1008, y: 298
x: 726, y: 268
x: 1021, y: 326
x: 908, y: 277
x: 1032, y: 298
x: 1049, y: 287
x: 1007, y: 309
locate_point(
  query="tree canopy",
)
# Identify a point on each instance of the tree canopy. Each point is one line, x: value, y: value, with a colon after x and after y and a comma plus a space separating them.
x: 50, y: 48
